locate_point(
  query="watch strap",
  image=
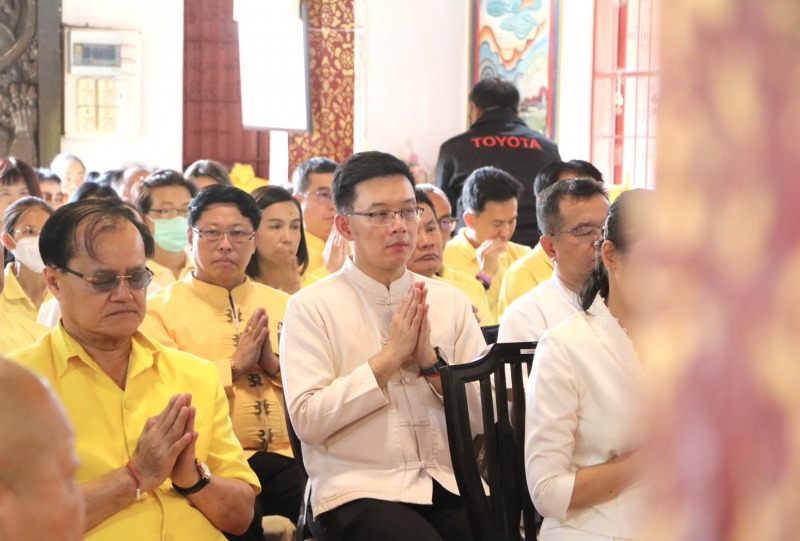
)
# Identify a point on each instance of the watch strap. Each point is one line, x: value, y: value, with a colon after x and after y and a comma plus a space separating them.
x: 205, y: 479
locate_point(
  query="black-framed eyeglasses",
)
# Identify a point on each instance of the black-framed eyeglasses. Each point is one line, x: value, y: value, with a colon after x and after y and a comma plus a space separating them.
x: 323, y: 195
x: 386, y: 217
x: 583, y: 232
x: 105, y: 281
x: 215, y: 235
x: 448, y: 224
x: 169, y: 213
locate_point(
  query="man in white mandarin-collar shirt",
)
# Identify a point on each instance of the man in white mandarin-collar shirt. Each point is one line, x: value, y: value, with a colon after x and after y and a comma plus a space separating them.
x: 360, y: 356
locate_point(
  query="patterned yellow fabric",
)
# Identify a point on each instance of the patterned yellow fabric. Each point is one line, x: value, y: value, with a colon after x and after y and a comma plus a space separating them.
x: 206, y: 320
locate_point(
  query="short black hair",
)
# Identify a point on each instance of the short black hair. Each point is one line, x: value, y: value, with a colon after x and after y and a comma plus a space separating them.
x: 488, y: 184
x: 208, y: 168
x: 494, y: 93
x: 422, y: 197
x: 361, y: 167
x: 548, y: 209
x: 160, y: 179
x: 93, y: 190
x: 58, y: 242
x: 300, y: 177
x: 266, y: 196
x: 550, y: 174
x: 224, y: 194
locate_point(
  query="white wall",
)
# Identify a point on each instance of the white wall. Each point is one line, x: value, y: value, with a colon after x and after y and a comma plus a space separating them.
x: 160, y: 22
x: 416, y: 75
x: 574, y: 114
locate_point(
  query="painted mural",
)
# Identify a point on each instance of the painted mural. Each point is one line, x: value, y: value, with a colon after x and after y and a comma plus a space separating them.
x: 517, y: 40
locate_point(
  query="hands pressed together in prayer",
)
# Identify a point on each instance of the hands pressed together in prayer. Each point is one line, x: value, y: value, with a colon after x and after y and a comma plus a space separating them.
x: 254, y: 348
x: 409, y: 340
x: 167, y: 445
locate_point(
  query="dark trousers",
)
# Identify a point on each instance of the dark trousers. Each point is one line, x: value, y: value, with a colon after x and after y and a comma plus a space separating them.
x: 372, y: 520
x: 281, y: 492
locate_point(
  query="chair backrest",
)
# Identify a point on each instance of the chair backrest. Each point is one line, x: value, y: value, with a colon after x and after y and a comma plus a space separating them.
x: 498, y: 516
x: 490, y: 333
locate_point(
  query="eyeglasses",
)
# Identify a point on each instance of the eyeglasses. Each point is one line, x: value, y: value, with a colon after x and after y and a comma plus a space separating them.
x: 448, y: 224
x: 582, y: 232
x: 216, y: 235
x: 386, y: 217
x: 105, y: 281
x: 27, y: 231
x: 323, y: 195
x: 58, y: 197
x: 170, y: 213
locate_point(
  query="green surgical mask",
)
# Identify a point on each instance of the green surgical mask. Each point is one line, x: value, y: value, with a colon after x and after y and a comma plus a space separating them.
x: 171, y: 233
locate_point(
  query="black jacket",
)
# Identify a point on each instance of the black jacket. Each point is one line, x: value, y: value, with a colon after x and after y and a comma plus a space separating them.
x: 499, y: 138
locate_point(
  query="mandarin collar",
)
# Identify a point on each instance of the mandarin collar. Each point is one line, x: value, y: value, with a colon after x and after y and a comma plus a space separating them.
x: 393, y: 293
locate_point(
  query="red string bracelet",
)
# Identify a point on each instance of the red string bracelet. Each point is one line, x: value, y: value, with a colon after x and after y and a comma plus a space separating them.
x: 135, y: 480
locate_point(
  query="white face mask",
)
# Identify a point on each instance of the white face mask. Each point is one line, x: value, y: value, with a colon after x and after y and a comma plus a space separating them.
x: 27, y: 253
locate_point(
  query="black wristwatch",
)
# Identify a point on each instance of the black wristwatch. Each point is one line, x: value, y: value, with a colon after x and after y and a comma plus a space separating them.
x: 433, y: 371
x: 205, y: 478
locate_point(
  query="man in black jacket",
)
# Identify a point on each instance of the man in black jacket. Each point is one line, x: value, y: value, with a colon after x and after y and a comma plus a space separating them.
x: 497, y: 137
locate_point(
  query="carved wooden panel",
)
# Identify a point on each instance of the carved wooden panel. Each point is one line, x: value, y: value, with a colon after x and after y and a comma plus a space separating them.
x: 18, y: 80
x: 212, y: 102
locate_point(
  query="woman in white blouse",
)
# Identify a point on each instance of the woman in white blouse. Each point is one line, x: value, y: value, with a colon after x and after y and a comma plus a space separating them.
x: 581, y: 427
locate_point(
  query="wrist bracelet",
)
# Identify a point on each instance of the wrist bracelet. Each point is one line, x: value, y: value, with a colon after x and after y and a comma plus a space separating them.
x: 485, y: 281
x: 234, y: 370
x: 135, y: 480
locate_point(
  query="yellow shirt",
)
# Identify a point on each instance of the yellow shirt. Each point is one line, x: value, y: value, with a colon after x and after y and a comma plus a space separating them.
x: 164, y: 277
x: 206, y: 320
x: 14, y: 300
x: 17, y: 332
x: 524, y: 274
x: 473, y: 289
x: 108, y: 422
x: 460, y: 255
x: 316, y: 247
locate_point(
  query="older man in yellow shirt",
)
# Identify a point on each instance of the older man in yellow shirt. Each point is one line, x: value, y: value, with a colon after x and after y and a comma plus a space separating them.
x: 156, y: 461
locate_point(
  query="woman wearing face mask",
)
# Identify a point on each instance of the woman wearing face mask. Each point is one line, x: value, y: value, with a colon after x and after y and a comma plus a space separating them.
x: 164, y: 199
x: 281, y: 256
x: 25, y: 289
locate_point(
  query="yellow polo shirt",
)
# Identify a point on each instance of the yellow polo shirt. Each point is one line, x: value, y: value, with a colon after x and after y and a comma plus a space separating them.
x: 473, y: 289
x: 14, y: 300
x: 108, y: 422
x: 460, y: 255
x: 206, y: 320
x: 316, y: 247
x: 524, y: 274
x: 17, y: 332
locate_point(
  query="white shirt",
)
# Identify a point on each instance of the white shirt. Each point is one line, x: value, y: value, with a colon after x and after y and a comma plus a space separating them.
x: 541, y: 308
x: 361, y: 441
x: 582, y: 409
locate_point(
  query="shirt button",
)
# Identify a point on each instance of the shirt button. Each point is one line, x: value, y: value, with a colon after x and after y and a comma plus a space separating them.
x: 128, y: 404
x: 406, y: 380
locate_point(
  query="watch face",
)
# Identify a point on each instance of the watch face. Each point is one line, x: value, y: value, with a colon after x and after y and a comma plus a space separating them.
x: 203, y: 470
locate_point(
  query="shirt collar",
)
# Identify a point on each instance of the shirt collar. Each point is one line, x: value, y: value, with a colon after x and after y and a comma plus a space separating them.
x: 393, y: 293
x: 13, y: 289
x: 67, y: 351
